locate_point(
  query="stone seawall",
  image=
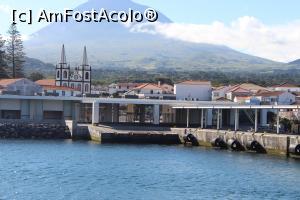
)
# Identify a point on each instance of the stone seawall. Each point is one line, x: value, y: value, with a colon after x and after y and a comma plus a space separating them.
x: 29, y: 130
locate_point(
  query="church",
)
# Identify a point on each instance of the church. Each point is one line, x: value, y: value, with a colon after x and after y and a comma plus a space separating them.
x: 79, y: 79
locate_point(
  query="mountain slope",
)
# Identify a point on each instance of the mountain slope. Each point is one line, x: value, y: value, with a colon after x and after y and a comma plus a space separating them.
x: 35, y: 65
x: 115, y: 45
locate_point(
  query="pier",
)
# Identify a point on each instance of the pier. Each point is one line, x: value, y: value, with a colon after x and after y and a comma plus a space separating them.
x: 155, y: 121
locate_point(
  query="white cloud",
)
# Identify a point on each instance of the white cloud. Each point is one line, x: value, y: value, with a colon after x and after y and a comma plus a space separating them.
x: 246, y: 34
x: 5, y: 8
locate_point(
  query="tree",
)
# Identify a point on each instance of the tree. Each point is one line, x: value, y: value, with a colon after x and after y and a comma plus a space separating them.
x: 35, y: 76
x: 3, y: 64
x: 15, y: 54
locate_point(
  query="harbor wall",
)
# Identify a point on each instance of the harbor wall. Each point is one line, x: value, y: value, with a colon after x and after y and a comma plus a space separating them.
x: 32, y: 130
x: 273, y: 143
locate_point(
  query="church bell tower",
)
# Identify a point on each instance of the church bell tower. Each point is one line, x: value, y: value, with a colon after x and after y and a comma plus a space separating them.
x: 62, y: 70
x: 86, y: 73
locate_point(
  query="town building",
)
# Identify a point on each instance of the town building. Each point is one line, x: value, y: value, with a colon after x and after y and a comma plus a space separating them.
x: 276, y: 98
x: 79, y: 79
x: 167, y: 88
x: 50, y: 89
x: 20, y: 86
x: 121, y: 88
x: 60, y: 91
x: 193, y: 90
x: 245, y: 89
x: 286, y: 87
x: 220, y: 92
x: 149, y: 90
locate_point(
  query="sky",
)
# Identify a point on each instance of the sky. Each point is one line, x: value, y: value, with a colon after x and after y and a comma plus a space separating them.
x: 266, y: 28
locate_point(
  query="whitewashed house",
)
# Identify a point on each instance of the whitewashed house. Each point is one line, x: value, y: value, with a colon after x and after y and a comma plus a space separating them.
x: 20, y: 86
x: 193, y: 90
x: 244, y: 89
x: 220, y: 92
x: 167, y: 89
x: 286, y: 87
x: 149, y: 90
x: 121, y: 87
x: 60, y: 91
x: 50, y: 89
x: 276, y: 98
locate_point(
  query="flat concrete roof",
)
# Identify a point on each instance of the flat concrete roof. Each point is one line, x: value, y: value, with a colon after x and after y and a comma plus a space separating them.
x: 176, y: 104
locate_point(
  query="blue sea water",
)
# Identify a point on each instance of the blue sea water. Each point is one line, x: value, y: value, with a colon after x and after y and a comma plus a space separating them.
x: 32, y: 169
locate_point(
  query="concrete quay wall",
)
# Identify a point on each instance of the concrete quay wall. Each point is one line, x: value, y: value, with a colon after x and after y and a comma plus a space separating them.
x: 140, y: 137
x: 272, y: 143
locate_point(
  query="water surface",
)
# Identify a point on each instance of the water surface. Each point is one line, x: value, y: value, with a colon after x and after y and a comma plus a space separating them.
x: 86, y: 170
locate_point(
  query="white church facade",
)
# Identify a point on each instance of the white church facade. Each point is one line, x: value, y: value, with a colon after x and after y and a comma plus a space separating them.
x: 79, y: 79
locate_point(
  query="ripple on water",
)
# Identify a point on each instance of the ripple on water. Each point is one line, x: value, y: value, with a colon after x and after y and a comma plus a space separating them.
x: 82, y: 170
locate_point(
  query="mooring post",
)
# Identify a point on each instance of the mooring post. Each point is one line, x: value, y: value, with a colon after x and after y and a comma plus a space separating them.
x: 288, y: 143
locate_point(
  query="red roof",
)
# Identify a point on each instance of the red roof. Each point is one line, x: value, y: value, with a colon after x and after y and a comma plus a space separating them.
x: 268, y: 94
x: 148, y: 86
x: 45, y: 82
x: 288, y: 85
x: 5, y: 82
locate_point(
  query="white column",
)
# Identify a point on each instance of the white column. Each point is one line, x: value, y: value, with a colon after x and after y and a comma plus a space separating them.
x: 277, y: 121
x: 187, y: 118
x: 236, y: 120
x: 209, y: 117
x: 263, y: 117
x: 156, y: 115
x: 255, y: 121
x: 95, y: 113
x: 202, y: 116
x: 218, y: 119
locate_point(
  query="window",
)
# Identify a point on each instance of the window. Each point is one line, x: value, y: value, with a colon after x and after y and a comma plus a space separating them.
x: 151, y: 91
x: 65, y: 84
x: 57, y: 75
x: 86, y: 88
x: 65, y: 74
x: 72, y: 85
x: 87, y: 76
x: 63, y: 93
x: 79, y: 87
